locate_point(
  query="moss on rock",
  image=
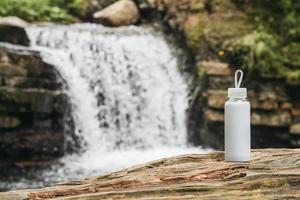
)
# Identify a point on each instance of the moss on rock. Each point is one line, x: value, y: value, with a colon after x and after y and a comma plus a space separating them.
x: 193, y: 29
x: 245, y: 34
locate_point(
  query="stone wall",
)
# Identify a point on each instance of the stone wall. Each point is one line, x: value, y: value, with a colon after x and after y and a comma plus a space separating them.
x: 274, y: 102
x: 207, y: 28
x: 33, y: 108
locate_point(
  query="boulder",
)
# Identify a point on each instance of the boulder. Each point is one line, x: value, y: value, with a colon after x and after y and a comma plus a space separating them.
x: 271, y: 174
x: 214, y: 116
x: 278, y: 118
x: 33, y: 107
x: 286, y: 105
x: 296, y: 112
x: 120, y: 13
x: 12, y: 30
x: 215, y: 68
x: 295, y: 128
x: 216, y: 98
x: 9, y: 122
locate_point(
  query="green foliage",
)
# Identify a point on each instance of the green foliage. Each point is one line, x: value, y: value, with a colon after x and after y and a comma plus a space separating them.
x: 281, y: 16
x: 36, y: 10
x: 273, y: 47
x: 195, y: 35
x: 75, y: 7
x: 49, y: 10
x: 257, y: 52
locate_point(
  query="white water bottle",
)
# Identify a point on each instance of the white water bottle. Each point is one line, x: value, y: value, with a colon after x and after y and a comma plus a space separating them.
x: 237, y: 122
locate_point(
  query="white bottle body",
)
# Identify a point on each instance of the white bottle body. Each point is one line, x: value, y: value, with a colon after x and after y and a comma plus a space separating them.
x: 237, y: 130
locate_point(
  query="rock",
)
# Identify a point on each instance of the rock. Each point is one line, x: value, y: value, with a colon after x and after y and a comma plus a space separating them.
x: 264, y: 105
x: 192, y: 28
x: 215, y: 68
x: 286, y: 105
x: 32, y: 105
x: 271, y: 174
x: 12, y: 30
x: 13, y: 21
x: 272, y: 119
x: 269, y: 91
x: 296, y: 112
x: 220, y: 82
x: 295, y: 128
x: 30, y: 82
x: 38, y: 100
x: 210, y: 30
x: 214, y: 116
x: 31, y: 144
x: 12, y: 70
x: 23, y: 62
x: 217, y: 99
x: 120, y: 13
x: 9, y: 122
x: 206, y: 24
x: 275, y: 118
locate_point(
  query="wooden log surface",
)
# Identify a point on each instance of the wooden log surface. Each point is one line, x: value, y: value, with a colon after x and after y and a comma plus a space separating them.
x: 271, y: 174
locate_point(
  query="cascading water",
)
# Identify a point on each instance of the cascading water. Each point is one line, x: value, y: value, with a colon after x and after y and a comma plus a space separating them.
x: 124, y: 84
x: 129, y: 99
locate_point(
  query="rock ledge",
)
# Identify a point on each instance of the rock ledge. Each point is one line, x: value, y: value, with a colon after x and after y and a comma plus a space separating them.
x: 271, y: 174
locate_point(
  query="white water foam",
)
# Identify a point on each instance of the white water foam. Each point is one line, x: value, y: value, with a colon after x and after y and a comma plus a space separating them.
x: 129, y: 99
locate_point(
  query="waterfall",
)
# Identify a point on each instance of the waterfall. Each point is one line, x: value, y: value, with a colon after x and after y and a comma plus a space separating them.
x: 128, y: 98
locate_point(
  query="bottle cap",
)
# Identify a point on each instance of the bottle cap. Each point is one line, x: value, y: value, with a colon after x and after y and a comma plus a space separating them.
x: 237, y: 92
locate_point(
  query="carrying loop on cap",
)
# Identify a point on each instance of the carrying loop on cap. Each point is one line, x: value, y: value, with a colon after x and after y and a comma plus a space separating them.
x: 237, y: 82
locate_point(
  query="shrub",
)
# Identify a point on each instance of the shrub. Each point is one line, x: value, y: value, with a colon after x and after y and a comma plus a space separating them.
x: 274, y: 44
x: 256, y: 51
x: 36, y: 10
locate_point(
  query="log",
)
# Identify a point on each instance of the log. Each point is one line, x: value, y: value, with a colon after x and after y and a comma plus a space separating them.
x: 271, y: 174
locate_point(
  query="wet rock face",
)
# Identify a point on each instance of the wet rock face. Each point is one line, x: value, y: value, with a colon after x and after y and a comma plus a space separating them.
x: 120, y: 13
x: 12, y: 31
x: 33, y: 108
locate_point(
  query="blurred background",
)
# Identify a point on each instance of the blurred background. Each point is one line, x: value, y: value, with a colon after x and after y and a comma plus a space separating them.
x: 92, y: 86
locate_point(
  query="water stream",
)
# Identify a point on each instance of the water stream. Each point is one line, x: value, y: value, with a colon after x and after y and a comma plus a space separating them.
x: 128, y: 97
